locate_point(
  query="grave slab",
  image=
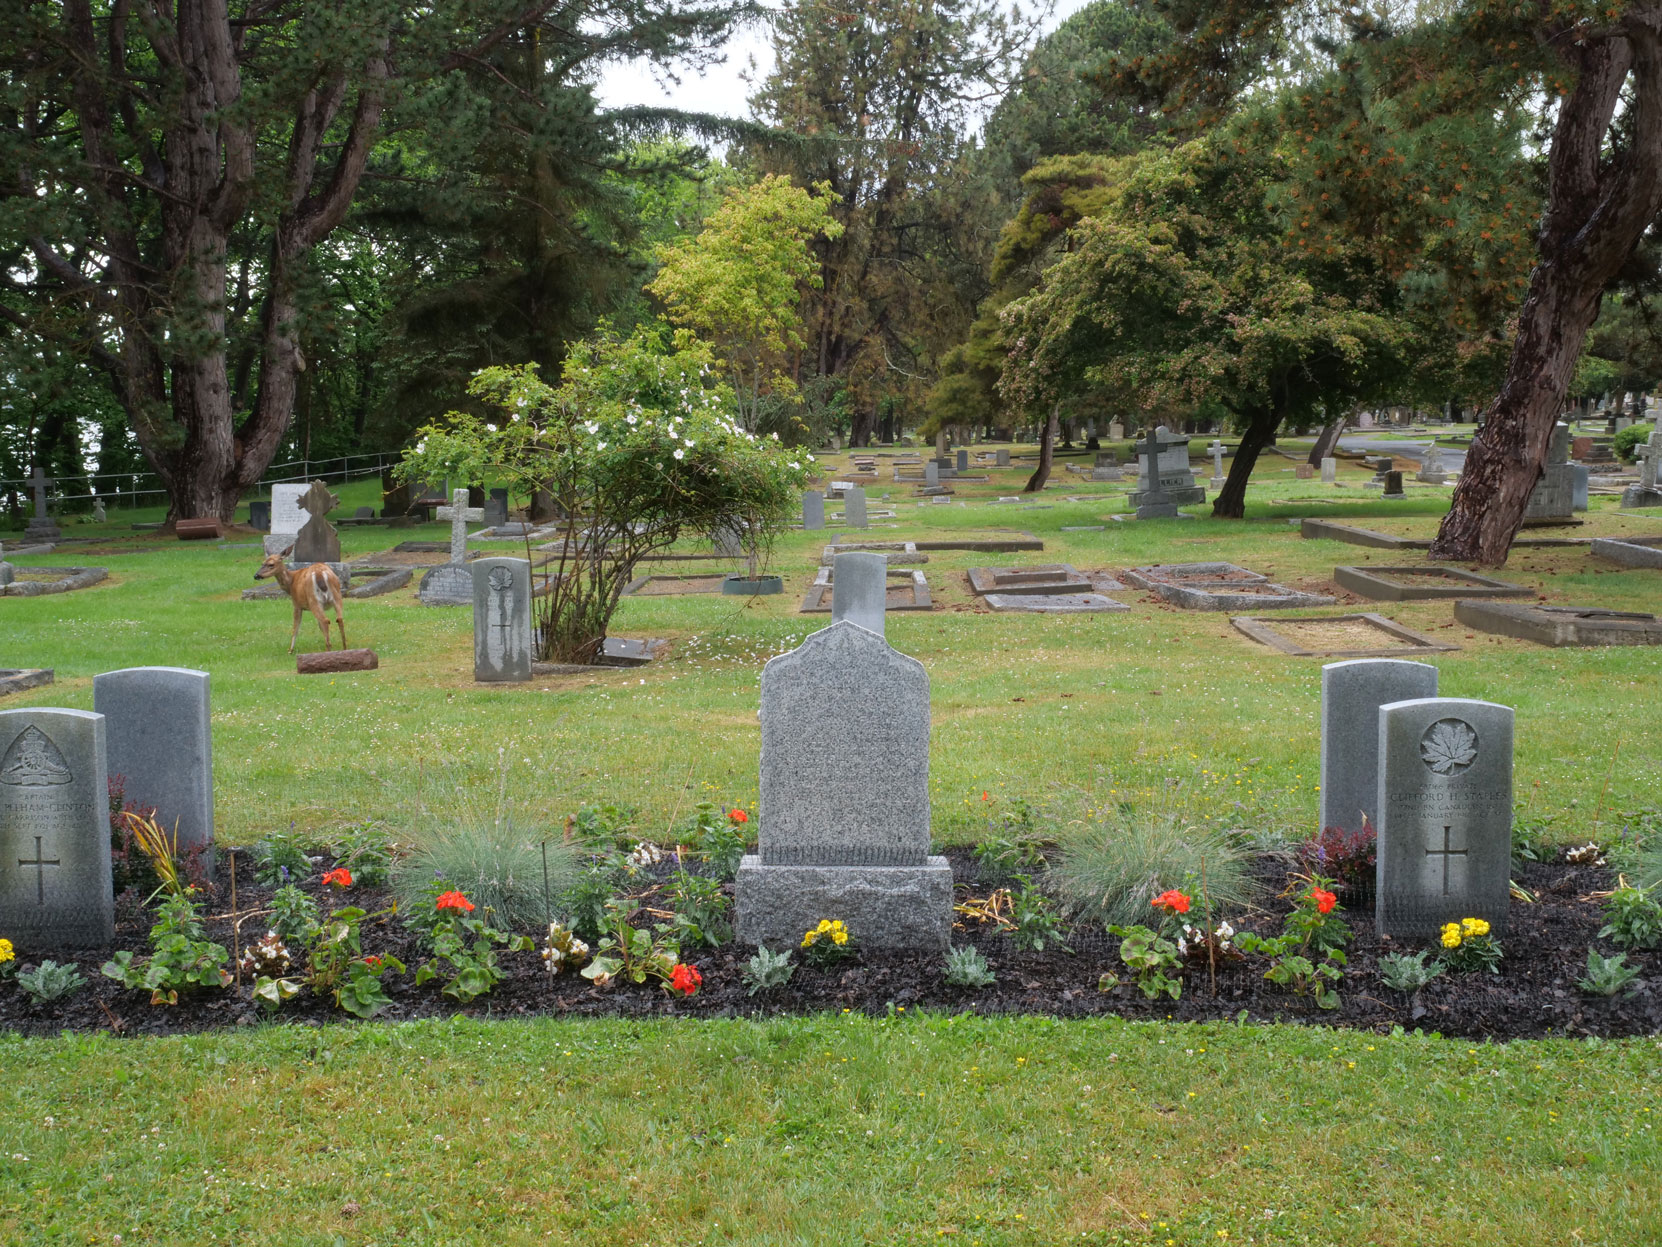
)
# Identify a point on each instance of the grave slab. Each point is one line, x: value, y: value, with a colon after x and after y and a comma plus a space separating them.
x: 1339, y: 636
x: 1039, y: 578
x: 16, y: 679
x: 1561, y: 626
x: 1422, y: 583
x: 1053, y: 603
x: 1630, y: 551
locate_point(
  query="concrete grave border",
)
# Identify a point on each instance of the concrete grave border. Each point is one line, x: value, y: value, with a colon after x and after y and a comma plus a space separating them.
x: 990, y: 545
x: 817, y: 601
x: 1372, y: 582
x: 1053, y: 603
x: 16, y: 679
x: 70, y: 579
x: 640, y: 582
x: 1263, y: 631
x: 1630, y: 551
x: 1561, y: 626
x: 1068, y: 579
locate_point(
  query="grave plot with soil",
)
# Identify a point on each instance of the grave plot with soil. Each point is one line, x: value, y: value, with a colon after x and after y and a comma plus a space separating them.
x: 1533, y: 994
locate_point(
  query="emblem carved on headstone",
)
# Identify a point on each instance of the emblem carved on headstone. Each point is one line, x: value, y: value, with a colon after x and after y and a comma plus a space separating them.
x: 33, y: 761
x: 1448, y: 747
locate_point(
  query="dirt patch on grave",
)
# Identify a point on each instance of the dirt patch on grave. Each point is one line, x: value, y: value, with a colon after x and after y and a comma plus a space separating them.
x: 1533, y: 995
x: 1338, y: 634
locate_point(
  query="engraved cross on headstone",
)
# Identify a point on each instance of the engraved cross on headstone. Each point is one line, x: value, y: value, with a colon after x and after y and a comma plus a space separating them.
x: 460, y: 516
x: 1445, y: 853
x: 40, y: 864
x: 40, y: 481
x: 504, y: 588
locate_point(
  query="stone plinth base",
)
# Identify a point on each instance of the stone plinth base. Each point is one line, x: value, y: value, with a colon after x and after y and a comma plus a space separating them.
x: 1177, y: 496
x: 886, y: 907
x: 1635, y: 497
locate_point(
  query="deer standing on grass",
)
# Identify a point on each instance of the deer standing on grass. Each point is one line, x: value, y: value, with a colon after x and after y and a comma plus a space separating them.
x: 315, y: 588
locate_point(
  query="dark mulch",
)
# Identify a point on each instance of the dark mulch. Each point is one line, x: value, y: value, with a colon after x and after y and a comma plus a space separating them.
x: 1533, y: 995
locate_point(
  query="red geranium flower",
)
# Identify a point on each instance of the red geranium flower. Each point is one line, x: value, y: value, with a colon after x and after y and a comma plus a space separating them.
x: 453, y: 900
x: 372, y: 960
x: 1324, y: 900
x: 685, y: 979
x: 738, y: 816
x: 1172, y: 901
x: 340, y: 877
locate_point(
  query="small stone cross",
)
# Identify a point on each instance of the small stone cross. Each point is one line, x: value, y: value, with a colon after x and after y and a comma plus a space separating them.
x: 1151, y: 448
x: 460, y: 516
x: 40, y: 864
x: 40, y: 481
x: 1445, y: 853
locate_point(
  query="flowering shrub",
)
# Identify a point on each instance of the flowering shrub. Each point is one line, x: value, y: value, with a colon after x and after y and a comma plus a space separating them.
x: 737, y: 816
x: 339, y: 968
x: 465, y: 949
x: 1171, y: 902
x: 827, y: 944
x: 1468, y: 945
x: 1197, y: 944
x: 640, y: 441
x: 685, y: 979
x: 266, y: 955
x: 181, y: 958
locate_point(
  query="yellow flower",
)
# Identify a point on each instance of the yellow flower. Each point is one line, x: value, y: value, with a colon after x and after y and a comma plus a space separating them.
x: 1451, y: 935
x: 808, y: 939
x: 839, y: 937
x: 1473, y: 926
x: 7, y: 953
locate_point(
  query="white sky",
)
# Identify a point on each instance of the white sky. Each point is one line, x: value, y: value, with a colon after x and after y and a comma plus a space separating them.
x: 719, y: 89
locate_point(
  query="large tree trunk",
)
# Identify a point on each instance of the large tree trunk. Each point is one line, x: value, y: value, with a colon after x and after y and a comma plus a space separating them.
x: 1047, y: 445
x: 1598, y: 207
x: 1230, y: 504
x: 1326, y: 440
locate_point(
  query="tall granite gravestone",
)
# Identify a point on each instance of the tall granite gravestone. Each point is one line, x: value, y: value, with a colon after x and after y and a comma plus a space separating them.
x: 42, y: 527
x: 1580, y: 479
x: 1352, y: 693
x: 259, y: 515
x: 501, y: 620
x: 1553, y: 497
x: 1445, y: 815
x: 854, y: 507
x: 860, y: 589
x: 813, y: 510
x: 961, y: 463
x: 931, y: 473
x: 286, y: 517
x: 1001, y: 457
x: 496, y: 508
x: 1165, y: 481
x: 55, y: 889
x: 1330, y: 470
x: 317, y: 542
x: 451, y: 584
x: 844, y: 824
x: 159, y: 736
x: 1393, y: 485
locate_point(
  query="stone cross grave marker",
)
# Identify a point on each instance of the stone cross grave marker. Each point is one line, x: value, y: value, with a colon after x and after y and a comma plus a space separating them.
x: 42, y: 527
x: 501, y: 620
x: 39, y: 480
x: 1216, y: 451
x: 1156, y: 503
x: 1352, y: 693
x: 844, y: 718
x: 451, y: 584
x: 860, y: 589
x: 460, y: 516
x: 1445, y: 815
x: 55, y: 887
x: 317, y: 542
x: 159, y: 735
x: 813, y: 510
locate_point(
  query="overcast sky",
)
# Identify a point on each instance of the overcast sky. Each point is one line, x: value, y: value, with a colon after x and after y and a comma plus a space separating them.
x: 719, y: 89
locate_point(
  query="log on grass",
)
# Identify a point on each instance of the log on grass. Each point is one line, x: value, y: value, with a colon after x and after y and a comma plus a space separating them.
x: 336, y: 660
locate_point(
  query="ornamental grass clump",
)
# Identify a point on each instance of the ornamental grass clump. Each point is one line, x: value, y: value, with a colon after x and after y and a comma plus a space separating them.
x: 499, y: 868
x: 1110, y: 872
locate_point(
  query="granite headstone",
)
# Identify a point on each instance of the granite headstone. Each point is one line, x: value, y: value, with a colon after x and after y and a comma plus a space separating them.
x: 854, y: 507
x: 501, y: 620
x: 860, y: 589
x: 1352, y: 693
x: 813, y: 510
x: 158, y: 733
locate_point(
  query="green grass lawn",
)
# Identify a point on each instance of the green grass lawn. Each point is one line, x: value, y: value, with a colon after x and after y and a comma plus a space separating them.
x: 839, y: 1129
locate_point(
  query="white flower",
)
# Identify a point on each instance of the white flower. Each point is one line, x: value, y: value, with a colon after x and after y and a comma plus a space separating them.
x: 601, y: 446
x: 690, y: 442
x: 632, y: 419
x: 680, y: 454
x: 592, y: 427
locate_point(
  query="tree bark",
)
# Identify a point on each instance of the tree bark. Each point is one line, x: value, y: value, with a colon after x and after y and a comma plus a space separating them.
x: 1326, y: 440
x: 1230, y: 504
x: 1047, y: 444
x: 1600, y: 202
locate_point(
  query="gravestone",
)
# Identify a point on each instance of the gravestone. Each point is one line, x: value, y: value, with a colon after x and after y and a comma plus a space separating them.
x: 1553, y: 498
x: 501, y: 620
x: 1580, y: 478
x: 158, y: 734
x: 1116, y: 430
x: 99, y: 516
x: 317, y: 542
x: 451, y: 584
x: 1648, y: 492
x: 1165, y: 481
x: 286, y: 517
x: 41, y: 526
x: 844, y: 820
x: 1001, y: 458
x: 1352, y: 693
x: 940, y: 444
x: 962, y: 461
x: 1432, y: 471
x: 1330, y: 469
x: 860, y: 589
x: 1216, y: 451
x: 259, y: 515
x: 8, y: 573
x: 496, y: 508
x: 55, y: 889
x: 1445, y: 815
x: 854, y: 507
x: 931, y: 473
x: 728, y: 540
x: 1393, y: 485
x: 813, y: 510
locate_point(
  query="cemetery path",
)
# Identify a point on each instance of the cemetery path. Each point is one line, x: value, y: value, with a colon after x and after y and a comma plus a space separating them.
x: 1533, y: 995
x: 1454, y: 457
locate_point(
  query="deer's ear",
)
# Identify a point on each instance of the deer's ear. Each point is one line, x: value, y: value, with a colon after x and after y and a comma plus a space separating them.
x: 288, y: 551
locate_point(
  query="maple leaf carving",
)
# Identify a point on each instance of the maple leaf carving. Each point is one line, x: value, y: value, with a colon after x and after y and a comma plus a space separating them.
x: 1449, y: 747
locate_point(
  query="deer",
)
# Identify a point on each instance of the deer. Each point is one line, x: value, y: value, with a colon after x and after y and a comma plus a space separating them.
x: 315, y: 588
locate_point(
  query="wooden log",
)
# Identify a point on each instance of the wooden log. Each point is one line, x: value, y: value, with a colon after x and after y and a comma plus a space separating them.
x: 197, y: 530
x: 331, y: 661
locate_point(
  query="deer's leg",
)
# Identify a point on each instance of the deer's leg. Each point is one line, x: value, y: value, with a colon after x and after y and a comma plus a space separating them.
x: 341, y: 620
x: 294, y: 634
x: 322, y: 621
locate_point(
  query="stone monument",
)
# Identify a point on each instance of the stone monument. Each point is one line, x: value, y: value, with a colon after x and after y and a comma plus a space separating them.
x: 1553, y: 498
x: 1164, y: 480
x: 451, y: 584
x: 501, y: 620
x: 860, y: 589
x: 1648, y: 492
x: 55, y: 888
x: 854, y: 506
x: 41, y: 527
x: 1445, y: 815
x: 1330, y: 470
x: 844, y: 822
x: 813, y: 510
x: 317, y: 541
x: 286, y: 518
x: 1432, y: 471
x: 1216, y: 451
x: 158, y: 734
x: 1352, y: 693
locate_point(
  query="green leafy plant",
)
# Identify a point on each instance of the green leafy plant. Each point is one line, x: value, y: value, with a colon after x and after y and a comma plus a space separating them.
x: 366, y: 849
x: 1532, y: 838
x: 701, y: 910
x: 464, y: 950
x: 966, y: 967
x: 636, y: 953
x: 1152, y: 959
x: 181, y: 957
x: 725, y: 844
x: 1034, y: 918
x: 1114, y: 870
x: 1632, y: 918
x: 1013, y: 848
x: 1625, y: 445
x: 1470, y: 945
x: 590, y: 894
x: 294, y: 916
x: 498, y: 868
x: 766, y: 970
x: 272, y: 993
x: 1408, y: 972
x: 1307, y: 957
x: 691, y: 828
x: 603, y: 822
x: 827, y: 944
x: 281, y: 858
x: 339, y: 967
x: 51, y: 981
x: 1606, y: 976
